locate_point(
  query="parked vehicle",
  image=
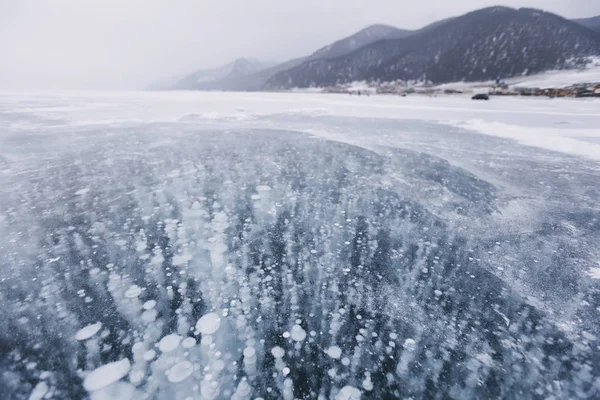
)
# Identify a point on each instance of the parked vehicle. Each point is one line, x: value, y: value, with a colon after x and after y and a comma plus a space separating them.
x: 481, y: 96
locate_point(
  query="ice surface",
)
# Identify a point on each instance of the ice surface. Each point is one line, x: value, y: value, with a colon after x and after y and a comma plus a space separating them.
x: 106, y: 375
x: 448, y: 247
x: 88, y: 331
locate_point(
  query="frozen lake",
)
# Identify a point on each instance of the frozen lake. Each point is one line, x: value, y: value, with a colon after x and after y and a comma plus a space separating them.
x: 298, y: 246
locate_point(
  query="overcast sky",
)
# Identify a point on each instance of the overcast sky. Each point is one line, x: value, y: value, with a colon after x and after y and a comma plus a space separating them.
x: 127, y: 44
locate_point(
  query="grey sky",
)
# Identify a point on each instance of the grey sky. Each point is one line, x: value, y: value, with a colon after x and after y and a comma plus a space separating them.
x: 112, y: 44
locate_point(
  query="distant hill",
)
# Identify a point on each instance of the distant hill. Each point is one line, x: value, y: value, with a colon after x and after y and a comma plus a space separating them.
x: 361, y: 38
x: 209, y: 78
x: 591, y: 23
x: 251, y: 75
x: 480, y: 45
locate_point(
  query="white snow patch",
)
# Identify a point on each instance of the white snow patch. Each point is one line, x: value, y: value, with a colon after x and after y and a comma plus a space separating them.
x: 208, y: 324
x: 88, y: 331
x: 558, y: 79
x: 106, y: 375
x: 180, y: 371
x: 563, y: 140
x: 169, y: 343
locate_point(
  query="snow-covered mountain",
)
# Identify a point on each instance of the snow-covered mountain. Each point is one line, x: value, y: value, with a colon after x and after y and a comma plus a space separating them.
x: 592, y: 23
x: 208, y: 78
x: 250, y: 75
x: 481, y: 45
x: 361, y: 38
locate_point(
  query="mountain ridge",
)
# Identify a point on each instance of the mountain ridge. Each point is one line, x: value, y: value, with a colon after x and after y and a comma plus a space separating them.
x: 206, y: 77
x: 246, y: 74
x: 592, y: 23
x: 480, y: 45
x: 255, y: 80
